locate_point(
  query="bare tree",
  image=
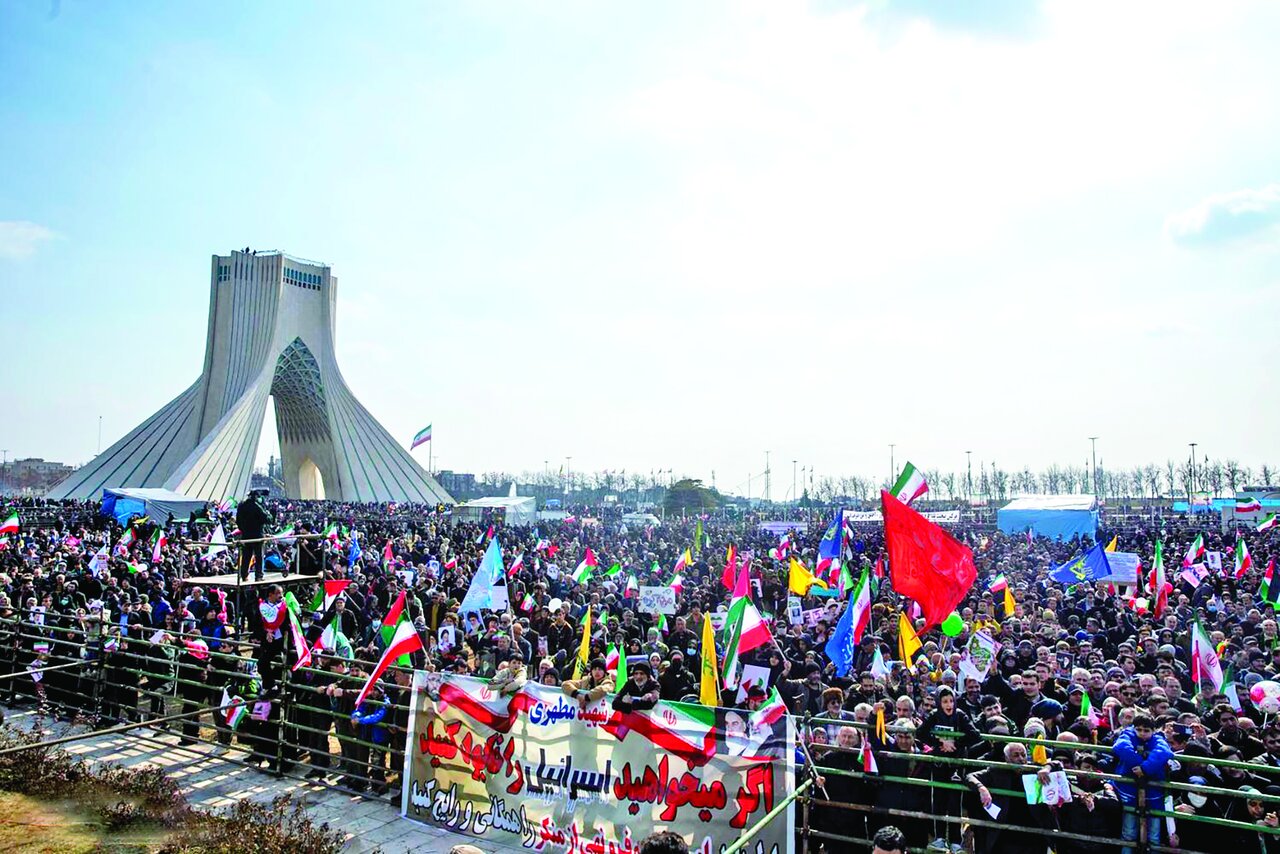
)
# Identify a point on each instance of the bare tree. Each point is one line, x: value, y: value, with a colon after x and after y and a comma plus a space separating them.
x: 1171, y: 477
x: 1267, y: 474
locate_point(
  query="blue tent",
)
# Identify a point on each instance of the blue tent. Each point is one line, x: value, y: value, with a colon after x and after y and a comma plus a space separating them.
x: 1052, y: 516
x: 157, y: 504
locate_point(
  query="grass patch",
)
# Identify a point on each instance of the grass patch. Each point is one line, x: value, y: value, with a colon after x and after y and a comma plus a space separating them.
x: 53, y: 801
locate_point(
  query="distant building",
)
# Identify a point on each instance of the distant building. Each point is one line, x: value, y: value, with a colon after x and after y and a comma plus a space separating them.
x: 460, y: 485
x: 31, y: 476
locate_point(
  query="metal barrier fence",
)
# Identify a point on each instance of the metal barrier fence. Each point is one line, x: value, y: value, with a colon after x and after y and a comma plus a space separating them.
x: 304, y: 728
x: 291, y: 719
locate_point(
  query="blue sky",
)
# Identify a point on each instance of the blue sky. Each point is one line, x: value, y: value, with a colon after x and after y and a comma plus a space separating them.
x: 667, y: 234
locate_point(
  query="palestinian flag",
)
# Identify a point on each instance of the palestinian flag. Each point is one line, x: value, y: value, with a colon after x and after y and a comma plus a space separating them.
x: 328, y: 594
x: 11, y: 524
x: 1248, y: 505
x: 869, y: 765
x: 1268, y: 523
x: 616, y: 569
x: 684, y: 729
x: 158, y: 542
x: 770, y: 712
x: 1230, y: 689
x: 1268, y: 594
x: 404, y: 642
x: 333, y: 640
x: 1204, y: 661
x: 1244, y: 563
x: 388, y: 557
x: 1194, y: 551
x: 998, y: 583
x: 860, y: 602
x: 910, y: 486
x: 396, y: 615
x: 588, y: 565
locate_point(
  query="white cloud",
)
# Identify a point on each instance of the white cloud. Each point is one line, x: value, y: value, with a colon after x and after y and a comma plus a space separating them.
x: 1226, y: 217
x: 20, y: 239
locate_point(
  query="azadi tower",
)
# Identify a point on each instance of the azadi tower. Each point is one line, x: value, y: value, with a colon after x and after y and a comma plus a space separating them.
x: 271, y: 322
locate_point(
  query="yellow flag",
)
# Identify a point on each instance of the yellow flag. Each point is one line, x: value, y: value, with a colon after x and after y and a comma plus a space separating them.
x: 801, y: 579
x: 709, y: 693
x: 908, y: 643
x: 584, y: 651
x: 1114, y: 544
x: 881, y: 732
x: 1009, y: 604
x: 1039, y: 755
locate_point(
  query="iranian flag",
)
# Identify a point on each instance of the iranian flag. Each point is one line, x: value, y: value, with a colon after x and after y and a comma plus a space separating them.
x: 611, y: 657
x: 1244, y: 563
x: 633, y: 588
x: 1248, y: 505
x: 421, y: 437
x: 1230, y: 689
x: 1268, y: 523
x: 616, y: 569
x: 1204, y: 661
x: 869, y: 765
x: 158, y: 542
x: 910, y: 486
x: 744, y: 630
x: 233, y: 709
x: 879, y: 670
x: 998, y: 583
x: 217, y: 543
x: 300, y: 648
x: 330, y: 533
x: 403, y: 642
x: 451, y: 563
x: 1086, y: 710
x: 770, y: 712
x: 677, y: 584
x: 475, y: 699
x: 127, y: 539
x: 588, y: 565
x: 779, y: 552
x: 685, y: 561
x: 1194, y: 551
x: 684, y: 729
x: 860, y: 602
x: 541, y: 546
x: 1159, y: 587
x: 516, y: 565
x: 10, y: 525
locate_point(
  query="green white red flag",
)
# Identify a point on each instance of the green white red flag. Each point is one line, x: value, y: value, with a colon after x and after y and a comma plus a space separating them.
x: 910, y: 485
x: 1195, y: 551
x: 11, y: 524
x: 1244, y: 562
x: 1204, y: 660
x: 404, y: 642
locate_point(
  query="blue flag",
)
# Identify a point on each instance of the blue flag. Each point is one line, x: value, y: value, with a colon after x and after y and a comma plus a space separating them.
x: 829, y: 548
x: 840, y: 646
x: 480, y: 592
x: 1086, y: 567
x: 354, y: 554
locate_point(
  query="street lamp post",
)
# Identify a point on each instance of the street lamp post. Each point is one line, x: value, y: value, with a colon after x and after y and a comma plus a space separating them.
x: 1192, y: 491
x: 968, y: 479
x: 1093, y: 444
x: 893, y: 469
x: 794, y: 497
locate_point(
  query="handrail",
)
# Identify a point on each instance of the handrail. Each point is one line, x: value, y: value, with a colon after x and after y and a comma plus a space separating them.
x: 760, y: 825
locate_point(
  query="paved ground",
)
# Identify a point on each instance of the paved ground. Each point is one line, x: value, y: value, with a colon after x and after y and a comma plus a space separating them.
x: 213, y: 782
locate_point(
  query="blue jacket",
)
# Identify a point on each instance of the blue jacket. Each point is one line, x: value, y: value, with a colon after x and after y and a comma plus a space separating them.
x: 368, y: 721
x: 1152, y: 756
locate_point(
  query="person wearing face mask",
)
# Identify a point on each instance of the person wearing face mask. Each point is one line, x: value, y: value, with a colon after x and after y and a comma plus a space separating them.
x: 677, y: 681
x: 1196, y: 835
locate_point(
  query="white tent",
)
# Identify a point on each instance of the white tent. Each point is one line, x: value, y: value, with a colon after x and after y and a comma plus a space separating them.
x: 517, y: 510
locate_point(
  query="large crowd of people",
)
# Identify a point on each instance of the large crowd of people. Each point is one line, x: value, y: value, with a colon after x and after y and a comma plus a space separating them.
x: 1093, y: 665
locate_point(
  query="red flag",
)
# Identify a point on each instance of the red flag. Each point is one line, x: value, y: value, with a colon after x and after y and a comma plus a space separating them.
x: 925, y: 562
x: 730, y: 574
x: 880, y: 567
x: 742, y: 586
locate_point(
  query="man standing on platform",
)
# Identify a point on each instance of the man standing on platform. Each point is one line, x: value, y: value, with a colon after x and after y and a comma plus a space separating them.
x: 252, y: 517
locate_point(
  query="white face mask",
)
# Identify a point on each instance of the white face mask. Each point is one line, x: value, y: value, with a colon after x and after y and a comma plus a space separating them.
x: 1196, y: 799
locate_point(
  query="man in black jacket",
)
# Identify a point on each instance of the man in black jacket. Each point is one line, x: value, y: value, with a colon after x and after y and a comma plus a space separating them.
x: 252, y: 517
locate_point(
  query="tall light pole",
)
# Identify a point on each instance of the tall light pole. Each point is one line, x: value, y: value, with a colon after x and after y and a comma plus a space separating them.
x: 1192, y: 491
x: 968, y: 478
x: 568, y: 476
x: 1093, y: 446
x: 893, y: 470
x: 768, y: 480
